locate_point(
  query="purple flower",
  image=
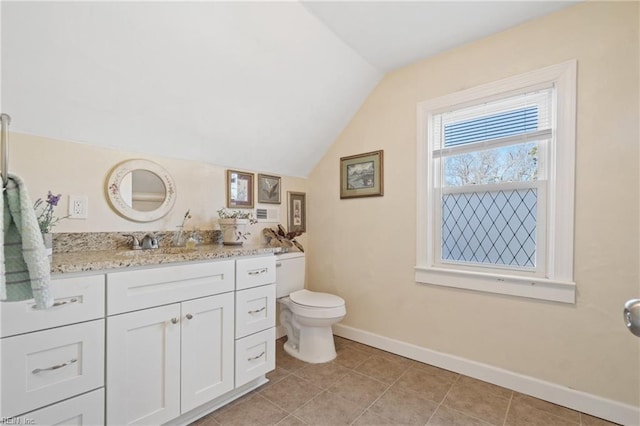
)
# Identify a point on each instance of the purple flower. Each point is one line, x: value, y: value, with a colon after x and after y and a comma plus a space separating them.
x: 53, y: 199
x: 46, y: 218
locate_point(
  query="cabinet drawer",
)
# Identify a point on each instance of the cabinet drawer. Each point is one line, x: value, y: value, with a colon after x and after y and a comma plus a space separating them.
x: 255, y: 356
x: 83, y: 410
x: 132, y: 290
x: 76, y: 299
x: 255, y: 271
x: 255, y: 309
x: 48, y: 366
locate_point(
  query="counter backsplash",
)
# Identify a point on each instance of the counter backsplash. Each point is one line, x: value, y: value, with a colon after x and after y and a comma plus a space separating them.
x: 66, y: 242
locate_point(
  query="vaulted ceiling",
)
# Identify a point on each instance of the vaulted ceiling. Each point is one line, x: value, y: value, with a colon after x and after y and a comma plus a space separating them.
x: 265, y: 86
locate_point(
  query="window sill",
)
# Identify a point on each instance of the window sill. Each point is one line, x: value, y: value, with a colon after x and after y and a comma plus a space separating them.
x: 534, y: 288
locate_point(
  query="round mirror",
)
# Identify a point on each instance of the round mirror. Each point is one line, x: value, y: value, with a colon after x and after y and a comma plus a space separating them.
x: 141, y: 190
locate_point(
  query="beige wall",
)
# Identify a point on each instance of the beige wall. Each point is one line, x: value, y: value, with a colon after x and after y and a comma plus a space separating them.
x: 364, y: 249
x: 79, y: 169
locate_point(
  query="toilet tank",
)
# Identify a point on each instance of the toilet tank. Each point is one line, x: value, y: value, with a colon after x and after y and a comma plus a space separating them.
x: 289, y: 273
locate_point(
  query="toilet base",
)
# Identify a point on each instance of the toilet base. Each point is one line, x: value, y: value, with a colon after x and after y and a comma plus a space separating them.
x: 315, y: 345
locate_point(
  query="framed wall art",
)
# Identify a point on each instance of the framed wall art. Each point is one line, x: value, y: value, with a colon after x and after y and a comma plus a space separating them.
x: 297, y: 211
x: 362, y: 175
x: 268, y: 189
x: 239, y: 189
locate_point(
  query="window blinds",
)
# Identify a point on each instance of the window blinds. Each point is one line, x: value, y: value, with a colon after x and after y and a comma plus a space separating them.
x: 517, y: 119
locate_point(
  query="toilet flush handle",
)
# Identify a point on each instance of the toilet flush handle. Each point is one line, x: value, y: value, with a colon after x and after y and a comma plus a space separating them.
x: 632, y: 316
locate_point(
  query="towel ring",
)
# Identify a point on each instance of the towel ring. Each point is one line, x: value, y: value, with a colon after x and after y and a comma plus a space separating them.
x: 5, y: 120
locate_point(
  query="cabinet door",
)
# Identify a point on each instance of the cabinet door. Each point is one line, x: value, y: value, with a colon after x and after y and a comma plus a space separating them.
x: 143, y: 366
x: 207, y: 349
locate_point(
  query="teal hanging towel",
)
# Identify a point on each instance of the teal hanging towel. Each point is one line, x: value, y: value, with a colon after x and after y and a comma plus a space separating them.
x: 27, y: 272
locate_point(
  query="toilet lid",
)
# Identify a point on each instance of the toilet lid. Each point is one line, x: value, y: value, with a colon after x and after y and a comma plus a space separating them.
x: 316, y: 299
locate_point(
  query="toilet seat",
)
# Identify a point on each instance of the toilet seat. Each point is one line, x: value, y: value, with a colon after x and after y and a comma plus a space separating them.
x: 335, y: 309
x: 314, y: 299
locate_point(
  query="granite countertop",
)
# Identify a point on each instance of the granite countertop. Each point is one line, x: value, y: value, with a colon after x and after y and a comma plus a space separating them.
x: 100, y: 260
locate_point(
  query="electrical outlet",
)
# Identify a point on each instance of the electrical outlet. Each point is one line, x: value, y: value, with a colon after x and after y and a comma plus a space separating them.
x: 78, y: 206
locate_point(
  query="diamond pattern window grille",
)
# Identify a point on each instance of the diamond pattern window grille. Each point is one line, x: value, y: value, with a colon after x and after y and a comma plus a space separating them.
x: 490, y: 227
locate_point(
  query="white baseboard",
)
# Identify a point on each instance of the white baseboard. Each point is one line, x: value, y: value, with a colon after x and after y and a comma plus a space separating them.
x: 280, y: 331
x: 581, y: 401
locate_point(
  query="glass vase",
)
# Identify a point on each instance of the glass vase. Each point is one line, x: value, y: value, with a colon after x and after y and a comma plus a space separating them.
x: 48, y: 243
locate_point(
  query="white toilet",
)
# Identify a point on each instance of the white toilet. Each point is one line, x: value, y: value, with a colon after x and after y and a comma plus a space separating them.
x: 306, y: 315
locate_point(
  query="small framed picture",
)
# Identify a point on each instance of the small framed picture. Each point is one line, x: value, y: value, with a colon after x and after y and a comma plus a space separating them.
x: 268, y: 189
x: 362, y: 175
x: 297, y: 211
x: 239, y: 189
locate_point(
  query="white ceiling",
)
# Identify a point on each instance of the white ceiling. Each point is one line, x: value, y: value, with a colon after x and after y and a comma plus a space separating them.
x: 392, y: 34
x: 266, y: 86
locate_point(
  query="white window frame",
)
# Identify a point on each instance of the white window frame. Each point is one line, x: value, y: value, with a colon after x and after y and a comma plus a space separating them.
x: 556, y: 283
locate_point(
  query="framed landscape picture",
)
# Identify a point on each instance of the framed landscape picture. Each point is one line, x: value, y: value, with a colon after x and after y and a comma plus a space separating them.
x: 362, y: 175
x: 239, y: 189
x: 297, y: 211
x: 268, y: 189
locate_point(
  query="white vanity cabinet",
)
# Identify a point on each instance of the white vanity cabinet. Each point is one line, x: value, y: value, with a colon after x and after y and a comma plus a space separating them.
x: 52, y: 359
x: 167, y: 360
x: 158, y: 344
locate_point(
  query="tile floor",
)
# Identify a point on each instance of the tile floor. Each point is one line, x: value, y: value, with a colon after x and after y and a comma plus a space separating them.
x: 367, y: 386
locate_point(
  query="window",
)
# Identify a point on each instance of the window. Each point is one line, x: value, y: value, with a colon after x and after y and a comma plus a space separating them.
x: 495, y: 186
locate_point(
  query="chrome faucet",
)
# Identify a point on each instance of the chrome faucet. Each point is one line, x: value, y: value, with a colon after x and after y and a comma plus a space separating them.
x: 150, y: 241
x: 135, y: 243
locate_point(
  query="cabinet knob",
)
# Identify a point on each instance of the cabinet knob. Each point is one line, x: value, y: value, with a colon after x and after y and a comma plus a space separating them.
x: 189, y: 316
x: 174, y: 320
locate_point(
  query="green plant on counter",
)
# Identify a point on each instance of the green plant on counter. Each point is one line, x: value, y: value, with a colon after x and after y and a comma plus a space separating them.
x: 224, y: 213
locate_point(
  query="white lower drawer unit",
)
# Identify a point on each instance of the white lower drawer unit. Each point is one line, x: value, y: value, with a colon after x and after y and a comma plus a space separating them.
x: 76, y: 299
x: 83, y: 410
x: 255, y: 355
x: 48, y: 366
x: 255, y: 309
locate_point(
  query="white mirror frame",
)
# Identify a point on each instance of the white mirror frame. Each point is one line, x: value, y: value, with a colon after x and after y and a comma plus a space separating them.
x: 120, y: 205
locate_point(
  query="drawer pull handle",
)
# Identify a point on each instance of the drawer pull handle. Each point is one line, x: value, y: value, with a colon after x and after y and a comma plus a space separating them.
x: 256, y: 357
x: 279, y: 264
x: 189, y: 316
x: 55, y: 367
x: 56, y: 304
x: 257, y: 310
x: 258, y: 272
x: 174, y: 320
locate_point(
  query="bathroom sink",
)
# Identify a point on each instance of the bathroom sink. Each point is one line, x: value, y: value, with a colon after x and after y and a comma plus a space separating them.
x: 158, y: 251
